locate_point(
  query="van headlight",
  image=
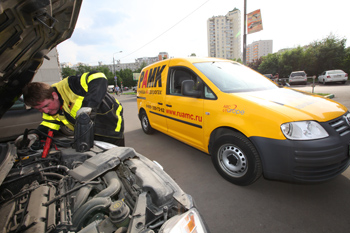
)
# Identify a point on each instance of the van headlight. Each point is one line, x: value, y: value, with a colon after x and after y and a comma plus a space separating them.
x: 189, y: 222
x: 303, y: 130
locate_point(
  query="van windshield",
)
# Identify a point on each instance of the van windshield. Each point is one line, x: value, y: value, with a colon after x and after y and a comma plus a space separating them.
x: 232, y: 77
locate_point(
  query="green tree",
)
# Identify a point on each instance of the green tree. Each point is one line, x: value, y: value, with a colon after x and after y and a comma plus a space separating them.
x: 67, y: 71
x: 270, y: 64
x: 310, y: 61
x: 346, y: 61
x: 239, y: 60
x: 330, y: 53
x: 125, y: 77
x: 291, y: 60
x: 83, y: 68
x: 255, y: 64
x: 143, y: 65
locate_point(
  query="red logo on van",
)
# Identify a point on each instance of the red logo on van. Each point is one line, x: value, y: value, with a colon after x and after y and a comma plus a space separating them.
x: 153, y: 79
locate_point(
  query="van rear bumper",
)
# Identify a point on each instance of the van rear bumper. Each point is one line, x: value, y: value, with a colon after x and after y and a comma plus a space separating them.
x: 303, y: 161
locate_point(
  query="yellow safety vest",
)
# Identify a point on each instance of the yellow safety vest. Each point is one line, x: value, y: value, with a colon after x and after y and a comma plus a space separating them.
x: 72, y: 102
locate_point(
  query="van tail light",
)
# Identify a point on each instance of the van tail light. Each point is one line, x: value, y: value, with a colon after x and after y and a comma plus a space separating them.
x: 328, y: 76
x: 346, y: 75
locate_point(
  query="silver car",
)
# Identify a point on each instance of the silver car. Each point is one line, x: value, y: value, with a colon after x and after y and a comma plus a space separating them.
x: 17, y: 119
x: 298, y: 77
x: 333, y: 76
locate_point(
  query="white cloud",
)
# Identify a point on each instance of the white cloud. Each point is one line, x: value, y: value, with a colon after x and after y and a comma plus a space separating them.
x: 145, y: 28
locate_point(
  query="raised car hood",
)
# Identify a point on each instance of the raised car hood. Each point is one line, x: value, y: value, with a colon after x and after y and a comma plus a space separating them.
x: 297, y: 105
x: 29, y: 29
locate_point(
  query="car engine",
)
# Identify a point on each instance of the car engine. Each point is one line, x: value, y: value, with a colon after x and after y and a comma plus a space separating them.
x: 105, y: 189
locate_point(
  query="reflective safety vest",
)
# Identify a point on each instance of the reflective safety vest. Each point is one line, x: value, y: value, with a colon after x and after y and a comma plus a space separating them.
x: 78, y: 91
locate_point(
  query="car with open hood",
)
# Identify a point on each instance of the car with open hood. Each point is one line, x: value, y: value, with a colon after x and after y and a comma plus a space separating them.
x: 55, y: 186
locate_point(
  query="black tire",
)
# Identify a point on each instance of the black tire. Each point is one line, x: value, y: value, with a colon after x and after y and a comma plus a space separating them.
x: 146, y: 126
x: 66, y: 131
x: 236, y: 159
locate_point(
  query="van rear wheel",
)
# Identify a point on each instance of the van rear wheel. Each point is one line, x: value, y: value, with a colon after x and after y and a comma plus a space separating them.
x: 146, y: 126
x: 236, y: 159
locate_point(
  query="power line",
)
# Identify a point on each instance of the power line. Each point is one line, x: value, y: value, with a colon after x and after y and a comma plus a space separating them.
x: 166, y: 30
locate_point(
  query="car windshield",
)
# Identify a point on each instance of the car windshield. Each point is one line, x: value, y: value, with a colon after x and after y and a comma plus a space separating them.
x: 232, y: 77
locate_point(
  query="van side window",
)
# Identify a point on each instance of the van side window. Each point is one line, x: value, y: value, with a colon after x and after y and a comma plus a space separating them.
x: 178, y: 75
x: 176, y: 78
x: 208, y: 94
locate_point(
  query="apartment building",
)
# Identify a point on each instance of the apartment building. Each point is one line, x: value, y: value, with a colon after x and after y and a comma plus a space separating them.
x: 224, y: 35
x: 117, y: 66
x: 50, y: 71
x: 258, y: 49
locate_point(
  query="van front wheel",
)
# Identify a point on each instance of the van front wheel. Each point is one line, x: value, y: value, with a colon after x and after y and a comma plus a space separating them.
x: 146, y: 126
x: 236, y: 159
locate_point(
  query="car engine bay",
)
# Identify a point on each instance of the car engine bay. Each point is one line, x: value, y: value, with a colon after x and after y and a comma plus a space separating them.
x: 105, y: 189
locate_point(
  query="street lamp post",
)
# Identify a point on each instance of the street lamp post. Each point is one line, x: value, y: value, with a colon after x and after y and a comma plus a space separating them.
x: 245, y: 34
x: 114, y: 62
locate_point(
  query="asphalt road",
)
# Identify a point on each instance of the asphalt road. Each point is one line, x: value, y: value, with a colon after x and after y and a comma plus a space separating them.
x: 265, y: 206
x: 340, y: 92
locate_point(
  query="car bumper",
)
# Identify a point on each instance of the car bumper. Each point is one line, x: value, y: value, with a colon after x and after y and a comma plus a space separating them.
x: 297, y: 80
x: 305, y: 161
x: 330, y: 80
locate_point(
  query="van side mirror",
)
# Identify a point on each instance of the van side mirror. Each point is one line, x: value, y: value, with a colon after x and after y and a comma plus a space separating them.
x: 187, y: 89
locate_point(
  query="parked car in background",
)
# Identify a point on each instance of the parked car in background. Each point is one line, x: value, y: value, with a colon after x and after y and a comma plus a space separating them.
x: 110, y: 88
x: 298, y: 77
x: 329, y: 76
x: 17, y: 119
x: 270, y: 76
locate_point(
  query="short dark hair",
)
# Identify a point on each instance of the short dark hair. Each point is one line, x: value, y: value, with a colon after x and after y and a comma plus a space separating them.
x: 36, y: 92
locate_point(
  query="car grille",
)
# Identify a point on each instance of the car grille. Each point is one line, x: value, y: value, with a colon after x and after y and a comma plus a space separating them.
x: 340, y: 125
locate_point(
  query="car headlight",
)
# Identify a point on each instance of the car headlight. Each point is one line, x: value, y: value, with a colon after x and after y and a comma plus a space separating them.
x: 189, y: 222
x: 303, y: 130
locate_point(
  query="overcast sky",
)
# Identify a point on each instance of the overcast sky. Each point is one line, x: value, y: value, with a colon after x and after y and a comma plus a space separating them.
x: 142, y: 28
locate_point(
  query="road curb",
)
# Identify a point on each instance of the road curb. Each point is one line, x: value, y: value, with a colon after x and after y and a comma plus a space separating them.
x: 330, y: 96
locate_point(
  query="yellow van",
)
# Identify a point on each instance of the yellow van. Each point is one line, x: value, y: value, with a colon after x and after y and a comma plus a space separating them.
x: 248, y: 124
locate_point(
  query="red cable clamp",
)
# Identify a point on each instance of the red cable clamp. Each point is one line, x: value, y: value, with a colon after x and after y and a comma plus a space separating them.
x: 47, y: 144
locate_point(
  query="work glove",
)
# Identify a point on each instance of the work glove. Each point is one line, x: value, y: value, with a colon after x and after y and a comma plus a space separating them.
x: 86, y: 110
x: 31, y: 138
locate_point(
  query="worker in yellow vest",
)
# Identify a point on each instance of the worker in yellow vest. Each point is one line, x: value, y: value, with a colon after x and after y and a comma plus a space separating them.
x: 64, y: 101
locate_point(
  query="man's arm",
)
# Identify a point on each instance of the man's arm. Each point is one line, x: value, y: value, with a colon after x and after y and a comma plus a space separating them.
x: 97, y: 89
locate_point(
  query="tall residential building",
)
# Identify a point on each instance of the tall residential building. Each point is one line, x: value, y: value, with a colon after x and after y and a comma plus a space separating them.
x: 50, y: 71
x: 224, y: 35
x: 258, y: 49
x: 163, y: 55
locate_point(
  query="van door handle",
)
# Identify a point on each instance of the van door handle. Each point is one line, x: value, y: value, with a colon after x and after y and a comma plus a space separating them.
x: 168, y: 105
x: 159, y: 103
